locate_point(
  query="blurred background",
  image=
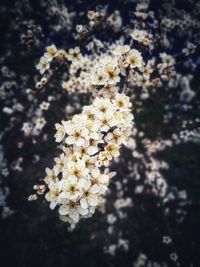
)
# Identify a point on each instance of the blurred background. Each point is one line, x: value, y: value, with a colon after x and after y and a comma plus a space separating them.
x: 152, y: 211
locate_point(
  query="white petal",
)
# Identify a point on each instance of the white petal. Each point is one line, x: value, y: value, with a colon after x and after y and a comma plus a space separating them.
x: 81, y: 182
x: 95, y: 172
x: 63, y: 195
x: 85, y: 172
x: 68, y: 127
x: 86, y: 143
x: 92, y: 150
x: 83, y: 211
x: 84, y: 203
x: 92, y: 210
x: 85, y: 132
x: 63, y: 210
x: 70, y: 140
x: 52, y: 205
x: 94, y: 136
x: 81, y: 164
x: 72, y: 179
x: 48, y: 171
x: 74, y: 215
x: 104, y: 178
x: 104, y: 128
x: 87, y: 185
x: 79, y: 142
x: 103, y: 189
x: 94, y: 189
x: 93, y: 200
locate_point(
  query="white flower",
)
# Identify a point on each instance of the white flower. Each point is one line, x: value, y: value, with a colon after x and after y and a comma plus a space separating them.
x: 60, y: 162
x: 167, y: 59
x: 146, y: 71
x: 53, y: 194
x: 52, y: 175
x: 107, y: 123
x: 134, y: 58
x: 77, y: 133
x: 112, y: 74
x: 89, y: 161
x: 91, y: 14
x: 100, y: 77
x: 93, y: 128
x: 89, y: 112
x: 74, y: 54
x: 43, y: 65
x: 122, y: 102
x: 112, y: 150
x: 51, y: 52
x: 103, y: 108
x: 104, y: 157
x: 109, y: 61
x: 27, y: 128
x: 40, y: 189
x: 121, y: 50
x: 77, y: 169
x: 102, y: 180
x: 44, y: 105
x: 139, y: 35
x: 79, y: 180
x: 32, y: 197
x: 117, y: 137
x: 60, y: 132
x: 119, y: 116
x: 70, y: 188
x: 93, y: 148
x: 39, y: 123
x: 89, y: 195
x: 190, y: 49
x: 70, y: 208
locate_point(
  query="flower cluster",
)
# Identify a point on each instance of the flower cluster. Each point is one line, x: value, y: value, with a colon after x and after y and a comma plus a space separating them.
x: 45, y: 61
x: 110, y: 49
x: 109, y: 68
x: 105, y: 69
x: 80, y: 177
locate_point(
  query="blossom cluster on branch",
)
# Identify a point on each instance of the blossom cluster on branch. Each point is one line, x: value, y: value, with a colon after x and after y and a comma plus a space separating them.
x: 80, y: 177
x: 107, y: 56
x: 78, y: 182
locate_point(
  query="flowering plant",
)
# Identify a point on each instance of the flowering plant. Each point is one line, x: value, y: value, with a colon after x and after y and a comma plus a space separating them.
x: 79, y: 180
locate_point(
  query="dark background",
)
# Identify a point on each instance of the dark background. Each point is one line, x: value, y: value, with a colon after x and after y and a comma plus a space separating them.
x: 33, y: 235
